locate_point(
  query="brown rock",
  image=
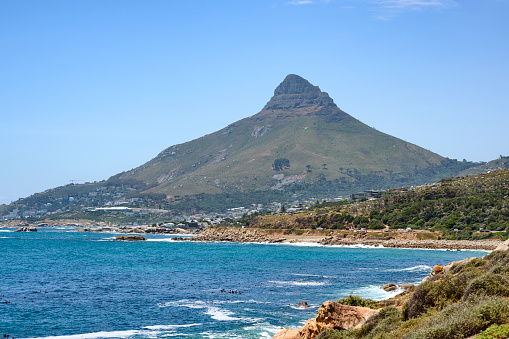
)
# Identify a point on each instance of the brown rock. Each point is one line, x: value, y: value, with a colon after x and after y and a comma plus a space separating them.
x: 134, y: 237
x: 333, y: 315
x: 119, y: 238
x: 303, y: 304
x: 389, y: 287
x: 26, y: 229
x: 438, y: 269
x: 309, y: 331
x: 448, y: 267
x: 286, y: 333
x: 503, y: 246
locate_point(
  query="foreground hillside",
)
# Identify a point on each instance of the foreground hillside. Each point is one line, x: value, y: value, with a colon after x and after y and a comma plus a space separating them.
x: 464, y: 300
x: 457, y: 207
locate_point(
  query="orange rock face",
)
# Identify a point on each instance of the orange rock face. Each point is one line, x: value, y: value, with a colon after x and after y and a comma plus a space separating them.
x: 286, y: 333
x: 331, y: 315
x: 438, y: 269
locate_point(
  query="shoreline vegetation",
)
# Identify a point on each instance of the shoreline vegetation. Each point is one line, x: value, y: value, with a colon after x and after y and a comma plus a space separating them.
x: 464, y: 299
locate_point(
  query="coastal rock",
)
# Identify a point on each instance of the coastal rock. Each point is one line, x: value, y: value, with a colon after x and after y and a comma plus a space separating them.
x: 119, y: 238
x: 303, y: 304
x: 503, y: 246
x: 131, y: 237
x: 448, y: 267
x: 286, y: 333
x: 331, y: 315
x: 26, y: 229
x: 308, y: 331
x: 438, y: 269
x: 234, y: 235
x: 389, y: 287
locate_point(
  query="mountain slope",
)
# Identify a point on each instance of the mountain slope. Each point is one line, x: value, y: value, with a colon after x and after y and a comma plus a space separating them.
x: 299, y: 123
x: 299, y: 146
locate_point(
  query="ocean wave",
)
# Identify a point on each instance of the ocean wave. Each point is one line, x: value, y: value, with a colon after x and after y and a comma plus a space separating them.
x: 6, y: 231
x: 298, y: 283
x: 214, y: 312
x: 169, y: 327
x: 374, y: 292
x: 306, y: 275
x: 412, y: 269
x: 264, y: 330
x: 113, y: 334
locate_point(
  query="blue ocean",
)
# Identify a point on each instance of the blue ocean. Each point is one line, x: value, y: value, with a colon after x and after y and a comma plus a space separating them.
x: 57, y: 283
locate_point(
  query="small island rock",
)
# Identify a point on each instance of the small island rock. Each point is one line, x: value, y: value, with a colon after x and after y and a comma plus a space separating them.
x: 26, y: 229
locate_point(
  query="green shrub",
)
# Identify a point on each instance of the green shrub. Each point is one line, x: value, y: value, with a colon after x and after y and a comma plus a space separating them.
x: 495, y: 332
x: 355, y: 300
x: 488, y: 284
x: 381, y: 324
x: 464, y: 319
x: 435, y: 294
x: 335, y: 334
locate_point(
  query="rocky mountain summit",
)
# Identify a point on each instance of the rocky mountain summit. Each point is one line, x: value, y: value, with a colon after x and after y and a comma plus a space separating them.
x: 296, y: 92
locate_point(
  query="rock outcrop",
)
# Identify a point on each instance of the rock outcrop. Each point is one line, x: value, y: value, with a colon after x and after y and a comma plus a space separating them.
x: 331, y: 315
x: 26, y: 229
x: 341, y: 239
x: 448, y: 267
x: 503, y: 246
x: 233, y: 235
x: 131, y: 237
x: 389, y: 287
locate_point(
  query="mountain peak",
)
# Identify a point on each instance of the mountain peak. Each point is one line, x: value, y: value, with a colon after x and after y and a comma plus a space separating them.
x: 296, y: 93
x: 294, y: 84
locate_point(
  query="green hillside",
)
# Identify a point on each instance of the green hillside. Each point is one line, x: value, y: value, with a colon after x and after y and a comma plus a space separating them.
x: 456, y: 207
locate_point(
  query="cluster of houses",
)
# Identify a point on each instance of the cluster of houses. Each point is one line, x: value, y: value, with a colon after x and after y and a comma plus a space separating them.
x: 112, y: 202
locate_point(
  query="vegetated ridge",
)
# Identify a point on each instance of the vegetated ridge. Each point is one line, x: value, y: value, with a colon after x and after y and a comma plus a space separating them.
x: 456, y: 207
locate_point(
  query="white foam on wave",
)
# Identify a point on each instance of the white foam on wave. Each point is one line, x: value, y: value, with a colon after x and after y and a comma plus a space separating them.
x: 149, y: 332
x: 306, y: 275
x: 264, y: 330
x: 169, y: 327
x: 214, y: 312
x: 113, y: 334
x: 374, y: 292
x: 298, y: 283
x: 412, y: 269
x: 6, y: 231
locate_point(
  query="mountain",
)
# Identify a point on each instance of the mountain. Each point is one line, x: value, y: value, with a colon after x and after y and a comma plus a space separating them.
x: 494, y: 165
x: 302, y: 127
x: 300, y: 145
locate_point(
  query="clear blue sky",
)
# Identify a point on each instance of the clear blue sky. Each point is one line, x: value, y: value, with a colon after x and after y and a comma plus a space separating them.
x: 92, y: 88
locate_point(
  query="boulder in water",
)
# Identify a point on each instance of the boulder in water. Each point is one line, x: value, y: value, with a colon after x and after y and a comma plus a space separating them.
x: 389, y: 287
x: 26, y: 229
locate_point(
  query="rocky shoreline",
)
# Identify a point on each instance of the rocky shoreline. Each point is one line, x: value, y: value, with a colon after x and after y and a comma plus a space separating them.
x: 423, y: 244
x: 257, y: 235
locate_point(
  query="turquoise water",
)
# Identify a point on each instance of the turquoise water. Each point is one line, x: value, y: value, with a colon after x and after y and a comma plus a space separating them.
x: 58, y: 283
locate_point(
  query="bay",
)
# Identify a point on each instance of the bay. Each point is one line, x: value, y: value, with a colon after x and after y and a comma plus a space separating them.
x: 63, y: 284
